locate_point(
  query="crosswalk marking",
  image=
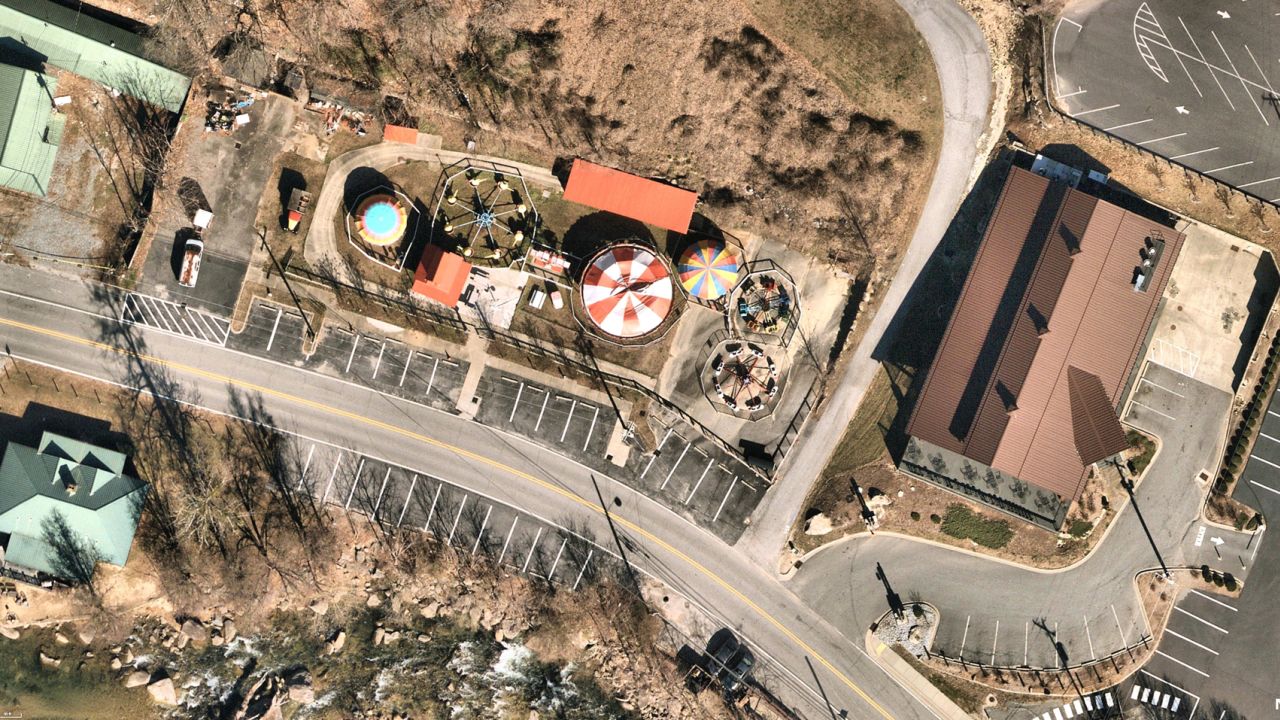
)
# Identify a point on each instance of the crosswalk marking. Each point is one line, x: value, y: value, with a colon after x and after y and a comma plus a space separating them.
x: 175, y: 319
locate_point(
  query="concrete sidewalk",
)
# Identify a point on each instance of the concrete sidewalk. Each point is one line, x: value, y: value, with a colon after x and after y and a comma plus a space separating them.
x: 912, y: 681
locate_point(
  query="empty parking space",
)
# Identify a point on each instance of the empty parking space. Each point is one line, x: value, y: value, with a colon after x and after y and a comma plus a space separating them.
x: 400, y: 497
x: 697, y: 478
x: 383, y: 364
x: 1188, y: 80
x: 175, y: 318
x: 562, y: 421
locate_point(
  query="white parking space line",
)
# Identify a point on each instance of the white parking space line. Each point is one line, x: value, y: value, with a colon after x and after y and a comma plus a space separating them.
x: 426, y: 526
x: 1266, y: 461
x: 1202, y: 59
x: 1228, y: 167
x: 672, y: 471
x: 1265, y: 487
x: 355, y: 344
x: 1092, y: 655
x: 1197, y: 152
x: 332, y: 474
x: 1271, y: 91
x: 507, y: 542
x: 1160, y: 139
x: 573, y: 406
x: 1192, y: 668
x: 1119, y: 628
x: 656, y: 452
x: 1259, y: 182
x: 1148, y: 407
x: 725, y: 499
x: 431, y: 381
x: 1247, y: 91
x: 408, y: 496
x: 1086, y: 112
x: 1157, y: 385
x: 310, y: 454
x: 1213, y: 600
x: 546, y: 397
x: 1129, y: 124
x: 461, y: 506
x: 516, y: 404
x: 995, y: 638
x: 701, y: 477
x: 1193, y: 616
x: 583, y: 569
x: 964, y: 638
x: 1072, y: 94
x: 1184, y: 691
x: 595, y: 416
x: 532, y: 549
x: 404, y: 373
x: 355, y: 484
x: 383, y: 490
x: 377, y: 365
x: 484, y: 525
x: 274, y: 327
x: 1272, y: 439
x: 551, y: 573
x: 1206, y: 648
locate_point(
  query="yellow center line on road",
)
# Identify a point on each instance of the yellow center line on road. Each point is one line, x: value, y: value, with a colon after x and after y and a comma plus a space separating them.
x: 594, y: 507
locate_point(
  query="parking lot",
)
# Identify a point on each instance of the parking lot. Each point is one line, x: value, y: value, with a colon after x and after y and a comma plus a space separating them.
x: 1192, y: 81
x: 383, y: 364
x: 400, y: 497
x: 231, y: 172
x: 689, y: 473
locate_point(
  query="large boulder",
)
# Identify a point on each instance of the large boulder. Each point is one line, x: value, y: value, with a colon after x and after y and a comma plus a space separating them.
x: 229, y: 630
x: 195, y: 631
x: 163, y: 692
x: 338, y: 642
x: 302, y: 694
x: 9, y: 632
x: 137, y: 678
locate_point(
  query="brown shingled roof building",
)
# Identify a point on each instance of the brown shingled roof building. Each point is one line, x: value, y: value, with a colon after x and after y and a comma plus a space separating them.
x: 1022, y: 396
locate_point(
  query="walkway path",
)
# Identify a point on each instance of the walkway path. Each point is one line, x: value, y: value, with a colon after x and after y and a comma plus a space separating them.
x: 964, y: 73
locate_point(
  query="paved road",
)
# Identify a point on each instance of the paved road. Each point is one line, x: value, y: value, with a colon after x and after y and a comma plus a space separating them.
x: 790, y: 637
x: 1190, y: 80
x: 990, y: 610
x: 964, y: 72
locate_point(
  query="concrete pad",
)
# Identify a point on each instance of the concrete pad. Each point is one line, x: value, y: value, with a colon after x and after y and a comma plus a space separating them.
x: 1217, y: 299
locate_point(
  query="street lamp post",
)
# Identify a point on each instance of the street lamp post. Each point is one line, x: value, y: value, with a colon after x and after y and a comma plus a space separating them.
x: 311, y: 332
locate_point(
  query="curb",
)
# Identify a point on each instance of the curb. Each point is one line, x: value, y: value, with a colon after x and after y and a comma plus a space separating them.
x: 911, y: 680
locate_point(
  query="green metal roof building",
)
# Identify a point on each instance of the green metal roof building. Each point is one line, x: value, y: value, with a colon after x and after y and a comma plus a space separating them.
x: 34, y: 32
x: 65, y: 505
x: 29, y: 129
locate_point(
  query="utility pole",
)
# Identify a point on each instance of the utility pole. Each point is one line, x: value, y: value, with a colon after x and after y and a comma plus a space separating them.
x: 262, y: 232
x: 1133, y: 500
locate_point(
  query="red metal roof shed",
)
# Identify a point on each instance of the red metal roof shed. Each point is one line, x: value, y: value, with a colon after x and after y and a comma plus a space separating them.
x: 441, y: 276
x: 621, y: 193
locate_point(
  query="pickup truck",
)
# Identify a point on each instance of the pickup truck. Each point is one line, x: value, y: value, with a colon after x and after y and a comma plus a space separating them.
x: 191, y: 253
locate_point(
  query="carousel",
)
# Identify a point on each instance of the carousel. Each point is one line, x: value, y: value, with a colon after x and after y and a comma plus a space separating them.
x: 743, y: 379
x: 380, y: 226
x: 485, y: 212
x: 709, y: 269
x: 627, y: 292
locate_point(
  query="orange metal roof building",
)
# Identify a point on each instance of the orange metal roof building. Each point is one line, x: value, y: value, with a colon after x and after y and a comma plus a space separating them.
x: 400, y: 134
x: 441, y: 276
x: 1045, y: 335
x: 632, y: 196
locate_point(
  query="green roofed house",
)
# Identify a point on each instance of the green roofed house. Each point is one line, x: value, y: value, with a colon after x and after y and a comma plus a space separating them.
x: 30, y: 130
x: 38, y: 32
x: 65, y: 506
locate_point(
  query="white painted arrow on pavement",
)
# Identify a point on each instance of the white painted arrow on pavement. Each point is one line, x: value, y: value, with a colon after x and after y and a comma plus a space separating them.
x: 1182, y: 111
x: 1216, y: 540
x: 1225, y: 15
